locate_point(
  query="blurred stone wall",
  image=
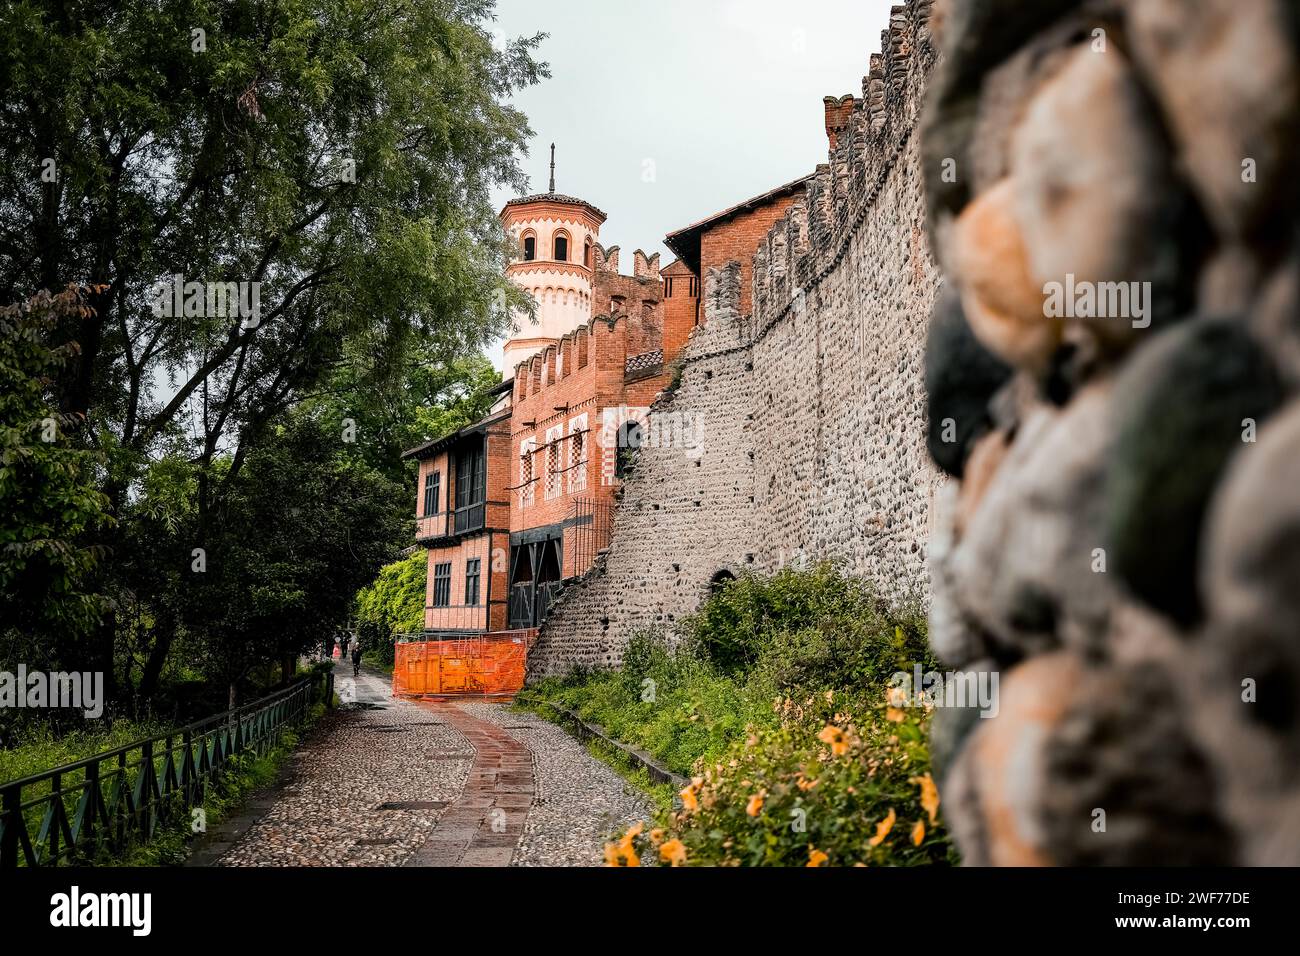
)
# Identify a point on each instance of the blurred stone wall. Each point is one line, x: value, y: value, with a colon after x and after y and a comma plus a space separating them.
x: 1112, y: 375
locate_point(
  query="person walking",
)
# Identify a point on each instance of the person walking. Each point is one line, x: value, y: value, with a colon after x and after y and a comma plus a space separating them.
x: 356, y: 660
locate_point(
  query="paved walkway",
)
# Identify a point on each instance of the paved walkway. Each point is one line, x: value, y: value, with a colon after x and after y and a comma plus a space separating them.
x: 392, y: 782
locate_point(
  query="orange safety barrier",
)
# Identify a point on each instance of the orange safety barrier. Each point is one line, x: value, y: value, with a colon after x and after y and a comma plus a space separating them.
x: 483, y: 664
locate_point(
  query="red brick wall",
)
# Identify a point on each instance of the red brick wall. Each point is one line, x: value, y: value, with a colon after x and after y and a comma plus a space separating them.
x: 681, y: 309
x: 586, y: 391
x: 493, y: 550
x: 737, y: 240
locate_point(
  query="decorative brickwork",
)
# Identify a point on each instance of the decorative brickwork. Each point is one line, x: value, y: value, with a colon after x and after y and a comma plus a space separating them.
x: 802, y: 388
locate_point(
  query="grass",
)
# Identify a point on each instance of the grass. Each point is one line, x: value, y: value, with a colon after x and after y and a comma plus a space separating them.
x: 691, y: 711
x: 41, y: 750
x: 172, y: 844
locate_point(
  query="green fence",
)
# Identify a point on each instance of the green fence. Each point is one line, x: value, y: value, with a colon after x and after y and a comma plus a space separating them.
x: 103, y: 805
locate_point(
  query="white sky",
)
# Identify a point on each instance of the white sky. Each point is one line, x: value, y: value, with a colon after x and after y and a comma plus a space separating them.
x: 665, y: 113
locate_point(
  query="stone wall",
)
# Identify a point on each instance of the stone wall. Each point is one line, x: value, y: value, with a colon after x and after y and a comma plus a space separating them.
x: 805, y: 414
x: 1123, y: 549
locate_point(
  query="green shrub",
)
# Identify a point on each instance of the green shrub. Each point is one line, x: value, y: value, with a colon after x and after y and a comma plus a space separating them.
x: 816, y: 627
x: 393, y: 604
x: 838, y: 781
x: 775, y: 701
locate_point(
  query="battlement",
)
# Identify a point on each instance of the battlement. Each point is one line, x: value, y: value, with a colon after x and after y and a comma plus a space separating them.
x: 865, y: 136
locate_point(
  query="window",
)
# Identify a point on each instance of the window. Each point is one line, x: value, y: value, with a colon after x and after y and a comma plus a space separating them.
x: 442, y: 585
x: 578, y: 454
x: 588, y: 259
x: 471, y: 488
x: 554, y: 484
x: 530, y: 248
x: 472, y: 569
x: 561, y: 248
x: 629, y: 440
x: 526, y: 482
x: 432, y: 488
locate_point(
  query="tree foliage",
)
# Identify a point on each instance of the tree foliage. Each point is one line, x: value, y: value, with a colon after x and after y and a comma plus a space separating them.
x: 394, y: 602
x: 336, y: 155
x: 47, y: 494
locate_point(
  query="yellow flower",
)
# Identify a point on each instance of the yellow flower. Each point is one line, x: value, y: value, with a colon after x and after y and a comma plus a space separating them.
x: 883, y: 828
x: 674, y: 852
x: 633, y: 831
x: 832, y: 735
x: 816, y: 857
x: 621, y: 853
x: 657, y: 836
x: 755, y: 805
x: 895, y: 715
x: 804, y: 784
x: 918, y: 833
x: 929, y: 796
x: 689, y: 801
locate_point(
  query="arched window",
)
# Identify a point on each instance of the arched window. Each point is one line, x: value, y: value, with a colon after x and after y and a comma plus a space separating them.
x: 629, y: 440
x: 588, y: 259
x: 561, y: 247
x: 530, y: 248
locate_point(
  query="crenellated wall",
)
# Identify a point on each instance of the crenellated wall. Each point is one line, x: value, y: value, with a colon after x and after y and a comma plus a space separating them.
x: 797, y: 430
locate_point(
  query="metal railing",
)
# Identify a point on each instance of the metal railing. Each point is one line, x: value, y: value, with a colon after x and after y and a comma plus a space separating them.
x: 117, y: 799
x: 593, y: 524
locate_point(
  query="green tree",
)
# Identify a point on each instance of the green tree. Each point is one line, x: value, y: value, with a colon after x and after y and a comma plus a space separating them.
x: 394, y: 603
x: 335, y: 155
x: 47, y: 495
x: 304, y: 528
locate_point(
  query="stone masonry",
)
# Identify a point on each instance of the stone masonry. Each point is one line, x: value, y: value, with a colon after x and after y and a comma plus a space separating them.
x: 806, y: 408
x: 1123, y: 548
x: 1111, y: 393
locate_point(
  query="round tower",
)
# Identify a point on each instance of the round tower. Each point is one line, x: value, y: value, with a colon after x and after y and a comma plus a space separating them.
x: 555, y: 240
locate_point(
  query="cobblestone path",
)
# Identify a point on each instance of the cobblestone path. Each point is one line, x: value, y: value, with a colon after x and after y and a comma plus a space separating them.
x: 392, y: 782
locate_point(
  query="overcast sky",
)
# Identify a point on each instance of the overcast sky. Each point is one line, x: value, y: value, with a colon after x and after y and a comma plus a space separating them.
x: 665, y: 113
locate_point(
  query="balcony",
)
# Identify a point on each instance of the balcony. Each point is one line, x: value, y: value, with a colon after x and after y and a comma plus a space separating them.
x: 470, y: 518
x: 451, y: 524
x: 432, y: 527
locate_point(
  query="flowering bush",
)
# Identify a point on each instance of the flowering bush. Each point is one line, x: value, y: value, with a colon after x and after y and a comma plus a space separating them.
x: 839, y: 781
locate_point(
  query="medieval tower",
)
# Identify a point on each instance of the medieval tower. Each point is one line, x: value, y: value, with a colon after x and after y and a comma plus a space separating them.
x: 555, y: 262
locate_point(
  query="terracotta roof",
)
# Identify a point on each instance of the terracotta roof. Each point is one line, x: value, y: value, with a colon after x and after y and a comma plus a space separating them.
x: 685, y: 243
x: 438, y: 444
x: 558, y: 198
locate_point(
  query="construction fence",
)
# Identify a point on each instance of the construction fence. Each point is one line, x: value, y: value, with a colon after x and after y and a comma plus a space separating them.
x: 481, y: 665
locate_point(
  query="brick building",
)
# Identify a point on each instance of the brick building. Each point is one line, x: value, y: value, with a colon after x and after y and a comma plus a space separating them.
x: 516, y: 505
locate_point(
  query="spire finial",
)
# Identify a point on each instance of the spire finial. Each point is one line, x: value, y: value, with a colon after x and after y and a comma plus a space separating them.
x: 552, y: 167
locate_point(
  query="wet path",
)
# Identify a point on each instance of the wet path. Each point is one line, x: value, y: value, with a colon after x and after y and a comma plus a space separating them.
x: 393, y: 782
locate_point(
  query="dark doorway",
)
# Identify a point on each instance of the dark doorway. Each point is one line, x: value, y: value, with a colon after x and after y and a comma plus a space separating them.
x: 536, y: 573
x: 719, y: 581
